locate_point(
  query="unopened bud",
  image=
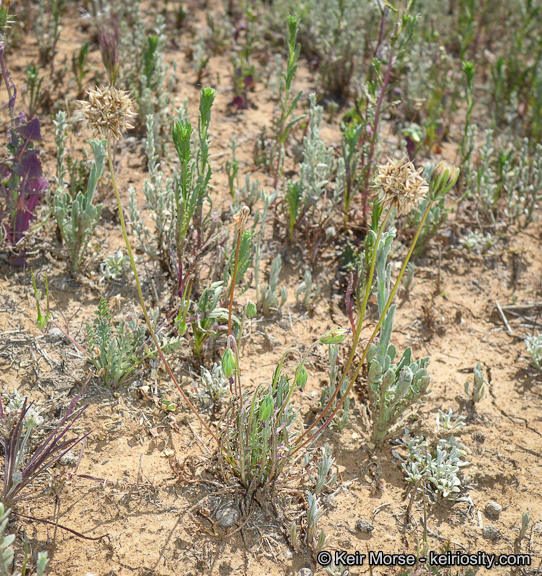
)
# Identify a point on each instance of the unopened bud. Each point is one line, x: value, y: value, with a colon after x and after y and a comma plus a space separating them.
x: 301, y: 377
x: 266, y: 408
x: 443, y: 178
x: 228, y: 363
x: 334, y: 336
x: 250, y: 309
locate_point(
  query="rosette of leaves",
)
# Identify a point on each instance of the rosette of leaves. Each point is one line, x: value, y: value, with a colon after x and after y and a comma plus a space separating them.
x: 113, y: 350
x: 435, y: 465
x: 77, y: 217
x: 22, y: 183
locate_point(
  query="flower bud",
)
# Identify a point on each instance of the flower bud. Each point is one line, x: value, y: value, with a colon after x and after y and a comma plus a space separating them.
x: 266, y: 408
x: 250, y: 309
x: 301, y: 377
x: 228, y: 363
x: 334, y: 336
x: 443, y: 178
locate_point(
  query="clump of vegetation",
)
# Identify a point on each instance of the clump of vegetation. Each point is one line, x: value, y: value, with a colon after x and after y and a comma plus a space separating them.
x: 7, y: 553
x: 534, y: 349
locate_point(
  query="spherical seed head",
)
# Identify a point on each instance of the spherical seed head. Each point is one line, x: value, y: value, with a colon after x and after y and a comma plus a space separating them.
x: 401, y: 185
x: 108, y: 112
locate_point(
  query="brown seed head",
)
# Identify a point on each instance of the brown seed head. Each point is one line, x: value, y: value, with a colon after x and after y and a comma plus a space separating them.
x: 401, y: 185
x: 108, y: 112
x: 240, y: 219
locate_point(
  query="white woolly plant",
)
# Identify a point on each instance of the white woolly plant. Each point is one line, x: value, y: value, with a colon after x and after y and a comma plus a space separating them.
x: 434, y: 467
x: 534, y: 349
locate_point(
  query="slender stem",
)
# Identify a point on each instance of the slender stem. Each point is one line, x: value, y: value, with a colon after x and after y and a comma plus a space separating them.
x: 375, y: 131
x: 358, y: 330
x: 373, y: 335
x: 234, y: 278
x: 142, y: 301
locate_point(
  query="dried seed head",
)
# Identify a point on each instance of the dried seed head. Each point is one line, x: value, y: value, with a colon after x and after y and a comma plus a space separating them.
x: 240, y: 219
x: 108, y: 112
x: 401, y: 185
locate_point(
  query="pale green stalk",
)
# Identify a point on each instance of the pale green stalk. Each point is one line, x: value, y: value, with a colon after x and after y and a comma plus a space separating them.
x: 366, y: 351
x: 141, y: 299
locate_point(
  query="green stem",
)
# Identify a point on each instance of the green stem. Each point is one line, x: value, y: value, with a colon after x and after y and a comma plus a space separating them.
x: 358, y: 330
x: 366, y: 351
x: 234, y: 278
x: 142, y: 301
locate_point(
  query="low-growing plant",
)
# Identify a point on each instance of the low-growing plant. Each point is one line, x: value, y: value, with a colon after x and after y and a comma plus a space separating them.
x: 401, y: 187
x: 533, y: 345
x: 26, y: 462
x: 80, y: 67
x: 314, y: 538
x: 116, y: 351
x: 434, y: 467
x: 272, y: 298
x: 478, y: 387
x: 76, y: 216
x: 143, y: 71
x: 521, y: 181
x: 47, y: 28
x: 212, y: 387
x: 285, y: 120
x: 393, y: 387
x: 311, y: 201
x: 22, y: 183
x: 477, y: 242
x: 114, y: 267
x: 112, y: 349
x: 307, y: 293
x: 7, y: 554
x: 32, y: 95
x: 328, y: 392
x: 209, y: 316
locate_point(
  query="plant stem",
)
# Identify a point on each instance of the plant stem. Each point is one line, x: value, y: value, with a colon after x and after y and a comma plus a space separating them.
x: 234, y: 278
x: 366, y: 351
x: 142, y: 301
x: 358, y: 329
x: 375, y: 133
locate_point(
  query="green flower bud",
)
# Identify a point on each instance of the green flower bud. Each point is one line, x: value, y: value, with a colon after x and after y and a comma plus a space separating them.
x: 266, y: 408
x: 443, y: 178
x: 250, y: 309
x: 334, y: 336
x: 301, y: 377
x: 228, y: 363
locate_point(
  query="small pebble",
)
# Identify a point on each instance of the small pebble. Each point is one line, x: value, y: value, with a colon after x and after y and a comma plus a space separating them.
x: 479, y: 437
x: 305, y: 572
x: 364, y: 527
x: 491, y: 533
x: 493, y: 509
x: 69, y: 459
x: 227, y: 516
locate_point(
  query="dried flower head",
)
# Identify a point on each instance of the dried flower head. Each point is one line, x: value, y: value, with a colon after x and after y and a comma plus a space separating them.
x: 240, y: 219
x: 108, y: 112
x: 401, y: 185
